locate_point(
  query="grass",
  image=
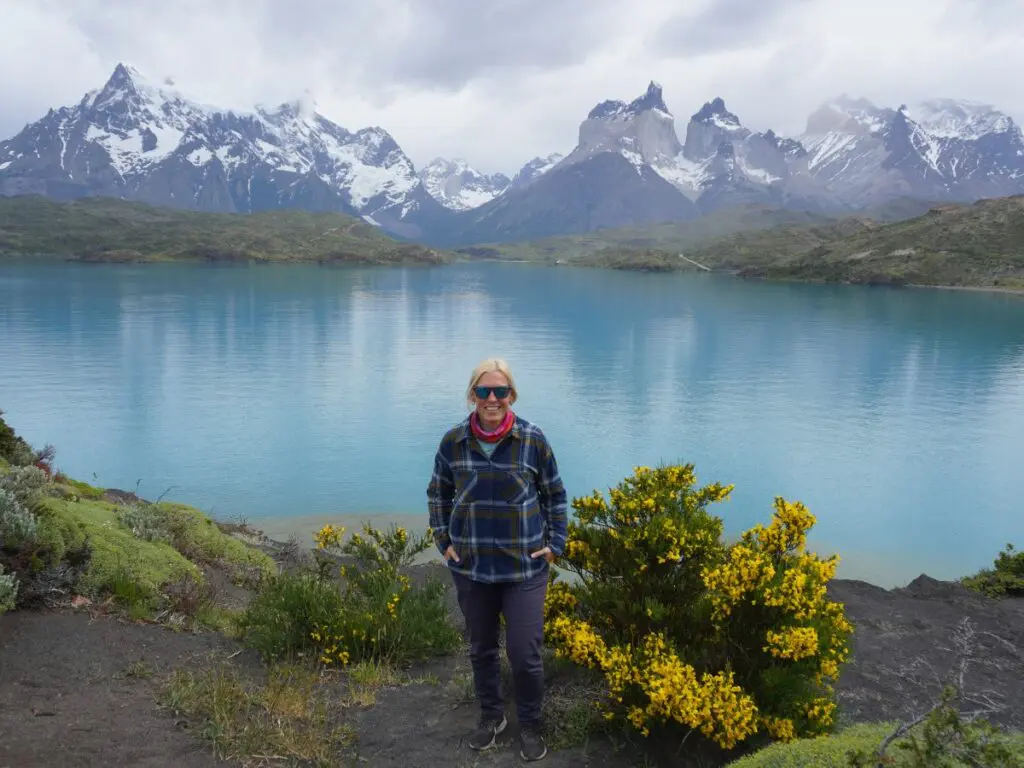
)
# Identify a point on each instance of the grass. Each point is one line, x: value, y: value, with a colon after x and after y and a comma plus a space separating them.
x: 296, y: 716
x: 286, y: 720
x: 112, y: 230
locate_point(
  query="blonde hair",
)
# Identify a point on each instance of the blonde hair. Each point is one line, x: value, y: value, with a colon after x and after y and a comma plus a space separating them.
x: 491, y: 364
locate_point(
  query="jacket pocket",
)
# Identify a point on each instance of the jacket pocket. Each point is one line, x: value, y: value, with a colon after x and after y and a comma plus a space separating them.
x: 517, y: 487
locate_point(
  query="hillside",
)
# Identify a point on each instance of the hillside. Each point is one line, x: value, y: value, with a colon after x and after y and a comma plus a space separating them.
x: 980, y: 244
x: 587, y: 249
x: 617, y: 247
x: 976, y: 245
x: 107, y: 229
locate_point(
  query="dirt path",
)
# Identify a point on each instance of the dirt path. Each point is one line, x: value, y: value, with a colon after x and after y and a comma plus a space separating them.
x: 82, y: 691
x: 77, y: 692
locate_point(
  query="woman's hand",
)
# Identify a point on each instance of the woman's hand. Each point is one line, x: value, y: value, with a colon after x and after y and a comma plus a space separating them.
x: 546, y: 553
x: 449, y: 554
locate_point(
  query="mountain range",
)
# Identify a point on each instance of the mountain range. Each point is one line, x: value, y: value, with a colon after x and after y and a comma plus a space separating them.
x: 146, y: 141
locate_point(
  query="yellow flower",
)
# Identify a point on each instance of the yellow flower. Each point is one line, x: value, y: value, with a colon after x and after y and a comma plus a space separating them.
x: 795, y: 643
x: 328, y: 537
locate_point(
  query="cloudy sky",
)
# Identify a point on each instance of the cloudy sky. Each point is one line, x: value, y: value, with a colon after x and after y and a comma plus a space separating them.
x: 500, y: 81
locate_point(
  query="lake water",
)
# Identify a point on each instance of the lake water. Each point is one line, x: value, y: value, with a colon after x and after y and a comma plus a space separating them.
x: 293, y: 394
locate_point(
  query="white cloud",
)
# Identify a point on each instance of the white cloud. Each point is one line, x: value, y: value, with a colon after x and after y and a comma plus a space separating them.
x: 449, y: 77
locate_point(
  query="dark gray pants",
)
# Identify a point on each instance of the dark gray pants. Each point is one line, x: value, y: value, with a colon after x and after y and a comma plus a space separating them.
x: 522, y: 605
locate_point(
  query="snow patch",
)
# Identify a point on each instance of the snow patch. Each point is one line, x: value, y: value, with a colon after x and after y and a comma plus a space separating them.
x: 719, y: 121
x: 685, y: 174
x: 200, y: 157
x: 635, y: 158
x: 759, y: 175
x: 822, y: 150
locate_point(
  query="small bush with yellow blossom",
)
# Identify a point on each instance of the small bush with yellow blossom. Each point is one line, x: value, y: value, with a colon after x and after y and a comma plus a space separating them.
x: 735, y: 642
x: 355, y: 604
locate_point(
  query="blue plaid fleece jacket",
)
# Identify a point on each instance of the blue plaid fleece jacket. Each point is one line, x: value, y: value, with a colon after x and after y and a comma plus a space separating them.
x: 496, y: 511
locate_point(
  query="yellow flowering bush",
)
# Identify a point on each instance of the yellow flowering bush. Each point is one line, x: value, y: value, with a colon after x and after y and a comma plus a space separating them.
x: 357, y: 603
x: 731, y: 641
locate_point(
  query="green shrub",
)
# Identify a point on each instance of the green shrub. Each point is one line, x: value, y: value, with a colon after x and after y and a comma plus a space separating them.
x: 24, y: 482
x: 13, y: 449
x: 18, y: 527
x: 347, y: 613
x: 1004, y: 579
x: 8, y: 591
x: 281, y: 620
x: 691, y: 633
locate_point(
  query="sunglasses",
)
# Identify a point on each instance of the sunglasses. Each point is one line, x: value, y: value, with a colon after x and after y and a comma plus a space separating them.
x: 483, y: 393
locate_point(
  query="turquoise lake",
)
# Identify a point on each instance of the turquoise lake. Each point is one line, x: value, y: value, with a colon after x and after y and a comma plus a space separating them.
x: 299, y: 393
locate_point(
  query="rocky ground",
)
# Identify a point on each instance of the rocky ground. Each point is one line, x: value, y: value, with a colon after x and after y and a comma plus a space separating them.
x: 80, y: 687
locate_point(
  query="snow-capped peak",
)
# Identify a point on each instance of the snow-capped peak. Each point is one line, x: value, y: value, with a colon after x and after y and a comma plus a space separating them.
x: 302, y: 108
x: 145, y: 127
x: 956, y: 118
x: 536, y: 168
x: 128, y: 85
x: 847, y: 115
x: 457, y: 185
x: 715, y: 113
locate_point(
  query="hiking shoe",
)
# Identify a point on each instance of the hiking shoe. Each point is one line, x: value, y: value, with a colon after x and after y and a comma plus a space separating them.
x: 531, y: 744
x: 484, y: 736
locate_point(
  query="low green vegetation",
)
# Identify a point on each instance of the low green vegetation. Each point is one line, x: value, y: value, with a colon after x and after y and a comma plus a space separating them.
x: 352, y: 604
x: 60, y: 536
x: 978, y: 245
x: 111, y: 230
x: 611, y: 247
x: 929, y: 746
x: 1004, y: 579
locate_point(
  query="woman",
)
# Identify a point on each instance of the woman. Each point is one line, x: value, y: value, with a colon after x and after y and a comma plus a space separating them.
x: 498, y: 512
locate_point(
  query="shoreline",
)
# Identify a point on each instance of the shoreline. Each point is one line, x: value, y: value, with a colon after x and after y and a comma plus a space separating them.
x: 971, y: 288
x: 10, y: 258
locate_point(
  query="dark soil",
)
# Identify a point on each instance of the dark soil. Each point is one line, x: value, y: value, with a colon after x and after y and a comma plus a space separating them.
x: 81, y: 690
x: 76, y: 691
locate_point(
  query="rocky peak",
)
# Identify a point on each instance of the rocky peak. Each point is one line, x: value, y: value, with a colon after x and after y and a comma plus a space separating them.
x: 613, y: 109
x: 536, y: 168
x: 651, y: 99
x: 789, y: 147
x: 848, y: 115
x: 642, y: 131
x: 708, y: 128
x: 301, y: 108
x: 715, y: 111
